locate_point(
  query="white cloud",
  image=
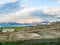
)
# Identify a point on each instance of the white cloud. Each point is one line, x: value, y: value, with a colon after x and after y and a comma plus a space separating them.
x: 23, y: 15
x: 58, y: 1
x: 11, y: 0
x: 20, y: 16
x: 2, y: 2
x: 29, y: 20
x: 52, y: 11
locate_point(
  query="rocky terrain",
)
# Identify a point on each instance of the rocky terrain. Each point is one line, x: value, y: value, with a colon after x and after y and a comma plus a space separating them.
x: 40, y: 33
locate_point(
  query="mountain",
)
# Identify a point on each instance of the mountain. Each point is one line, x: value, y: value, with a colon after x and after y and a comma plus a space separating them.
x: 52, y: 26
x: 28, y: 24
x: 14, y: 24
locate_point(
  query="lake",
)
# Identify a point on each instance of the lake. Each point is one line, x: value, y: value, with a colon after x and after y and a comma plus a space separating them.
x: 2, y: 25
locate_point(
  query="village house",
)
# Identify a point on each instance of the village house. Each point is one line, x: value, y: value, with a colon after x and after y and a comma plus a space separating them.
x: 27, y: 29
x: 7, y: 30
x: 21, y: 30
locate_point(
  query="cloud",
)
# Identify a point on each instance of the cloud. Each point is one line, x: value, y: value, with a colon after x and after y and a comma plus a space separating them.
x: 9, y: 7
x: 16, y: 12
x: 46, y: 14
x: 8, y: 1
x: 53, y: 11
x: 10, y: 12
x: 29, y: 15
x: 58, y: 1
x: 29, y: 20
x: 11, y: 0
x: 2, y: 2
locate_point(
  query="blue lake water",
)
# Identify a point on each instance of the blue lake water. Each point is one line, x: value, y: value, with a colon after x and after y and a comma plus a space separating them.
x: 2, y: 25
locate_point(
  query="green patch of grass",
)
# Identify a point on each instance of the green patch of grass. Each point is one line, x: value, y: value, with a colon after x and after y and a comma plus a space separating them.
x: 22, y: 43
x: 12, y: 27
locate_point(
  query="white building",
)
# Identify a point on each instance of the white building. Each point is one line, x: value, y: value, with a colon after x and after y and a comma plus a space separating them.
x: 7, y: 30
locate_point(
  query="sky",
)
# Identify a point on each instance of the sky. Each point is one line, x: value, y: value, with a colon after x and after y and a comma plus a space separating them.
x: 29, y: 11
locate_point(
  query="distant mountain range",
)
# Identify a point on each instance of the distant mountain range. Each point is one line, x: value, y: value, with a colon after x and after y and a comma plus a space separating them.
x: 25, y: 24
x: 43, y: 23
x: 14, y: 24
